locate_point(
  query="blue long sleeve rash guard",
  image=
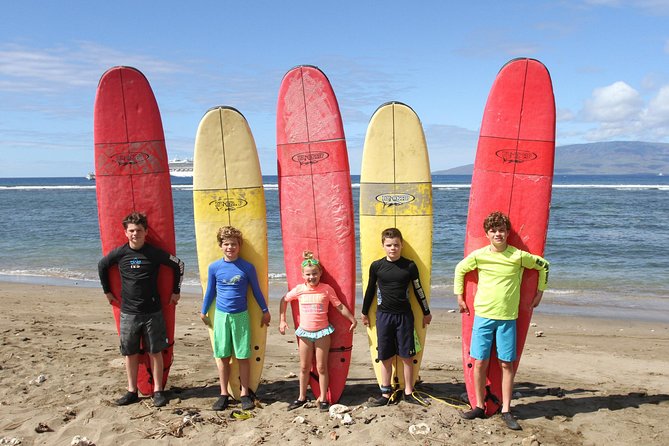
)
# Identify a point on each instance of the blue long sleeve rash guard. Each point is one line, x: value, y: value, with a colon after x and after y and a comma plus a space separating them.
x: 228, y: 283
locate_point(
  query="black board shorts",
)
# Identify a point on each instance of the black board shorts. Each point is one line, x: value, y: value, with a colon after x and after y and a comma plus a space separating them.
x: 150, y: 329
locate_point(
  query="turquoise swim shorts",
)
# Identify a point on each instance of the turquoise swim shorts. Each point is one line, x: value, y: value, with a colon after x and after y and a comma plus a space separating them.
x: 485, y: 331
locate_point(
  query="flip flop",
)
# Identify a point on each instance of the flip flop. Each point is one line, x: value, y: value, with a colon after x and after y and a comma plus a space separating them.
x: 241, y: 414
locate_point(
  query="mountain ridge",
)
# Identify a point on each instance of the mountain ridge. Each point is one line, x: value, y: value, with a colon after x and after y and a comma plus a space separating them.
x: 601, y: 158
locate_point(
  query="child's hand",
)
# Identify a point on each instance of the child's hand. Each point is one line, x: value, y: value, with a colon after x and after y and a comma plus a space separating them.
x: 365, y: 320
x: 354, y: 323
x: 112, y: 299
x: 282, y: 327
x: 205, y: 319
x: 463, y: 305
x: 266, y: 317
x: 427, y: 318
x: 537, y: 299
x: 174, y: 298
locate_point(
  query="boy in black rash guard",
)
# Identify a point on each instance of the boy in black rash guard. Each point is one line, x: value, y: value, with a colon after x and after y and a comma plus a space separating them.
x: 394, y: 318
x: 141, y: 310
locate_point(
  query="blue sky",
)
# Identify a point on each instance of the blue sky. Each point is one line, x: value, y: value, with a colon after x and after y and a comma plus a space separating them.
x: 609, y: 61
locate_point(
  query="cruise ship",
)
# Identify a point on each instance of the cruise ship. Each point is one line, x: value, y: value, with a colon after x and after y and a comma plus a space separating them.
x: 178, y: 168
x: 181, y: 167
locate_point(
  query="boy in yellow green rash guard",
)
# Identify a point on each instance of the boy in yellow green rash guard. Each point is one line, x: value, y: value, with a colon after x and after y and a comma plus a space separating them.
x: 500, y: 271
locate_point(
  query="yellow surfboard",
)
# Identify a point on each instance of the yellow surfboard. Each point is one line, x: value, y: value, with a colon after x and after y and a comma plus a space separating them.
x: 228, y: 190
x: 396, y: 191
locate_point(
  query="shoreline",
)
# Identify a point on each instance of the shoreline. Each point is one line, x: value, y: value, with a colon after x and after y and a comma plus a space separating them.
x: 553, y: 304
x: 583, y: 381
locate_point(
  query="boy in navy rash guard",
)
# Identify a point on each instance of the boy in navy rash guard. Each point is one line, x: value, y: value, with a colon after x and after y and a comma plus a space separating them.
x: 141, y: 309
x: 228, y: 282
x: 389, y: 279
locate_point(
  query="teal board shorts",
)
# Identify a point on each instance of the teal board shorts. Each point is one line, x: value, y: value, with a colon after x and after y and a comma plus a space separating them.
x: 232, y: 334
x: 485, y: 331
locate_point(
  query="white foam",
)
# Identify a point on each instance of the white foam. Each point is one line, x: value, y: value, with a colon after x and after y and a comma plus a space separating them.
x: 55, y: 273
x: 613, y: 186
x: 441, y: 186
x: 561, y: 292
x: 45, y: 187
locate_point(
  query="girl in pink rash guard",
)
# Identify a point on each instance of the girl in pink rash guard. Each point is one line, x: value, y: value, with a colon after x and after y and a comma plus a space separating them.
x: 314, y: 331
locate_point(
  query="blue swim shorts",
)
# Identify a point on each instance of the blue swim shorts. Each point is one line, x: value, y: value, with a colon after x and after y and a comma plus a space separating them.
x: 486, y: 331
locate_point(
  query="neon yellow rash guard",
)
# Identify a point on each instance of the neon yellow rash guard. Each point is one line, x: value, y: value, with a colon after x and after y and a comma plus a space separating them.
x: 500, y: 274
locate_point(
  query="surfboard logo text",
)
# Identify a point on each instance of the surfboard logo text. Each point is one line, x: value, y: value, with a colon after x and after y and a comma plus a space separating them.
x: 515, y: 156
x: 228, y: 204
x: 307, y: 158
x: 125, y: 159
x: 394, y: 199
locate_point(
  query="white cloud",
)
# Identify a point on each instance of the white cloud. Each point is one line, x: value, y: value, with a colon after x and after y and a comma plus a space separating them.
x: 52, y: 70
x: 614, y: 103
x: 660, y: 103
x: 493, y: 48
x: 656, y: 116
x: 619, y: 111
x: 657, y: 7
x: 653, y: 80
x: 603, y: 2
x: 607, y: 131
x: 564, y: 115
x: 654, y: 7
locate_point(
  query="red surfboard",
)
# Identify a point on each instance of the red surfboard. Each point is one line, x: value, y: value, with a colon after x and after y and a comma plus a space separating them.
x: 316, y: 203
x: 132, y: 174
x: 513, y: 173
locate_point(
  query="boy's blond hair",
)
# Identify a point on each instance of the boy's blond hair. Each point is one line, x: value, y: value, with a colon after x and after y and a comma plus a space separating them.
x: 229, y: 232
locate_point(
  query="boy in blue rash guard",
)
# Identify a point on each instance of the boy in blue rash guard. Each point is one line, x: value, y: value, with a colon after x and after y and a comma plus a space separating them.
x: 229, y: 279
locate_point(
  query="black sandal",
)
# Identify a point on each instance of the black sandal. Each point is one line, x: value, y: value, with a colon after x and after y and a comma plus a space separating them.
x: 128, y: 398
x: 222, y: 403
x: 297, y: 404
x: 247, y: 403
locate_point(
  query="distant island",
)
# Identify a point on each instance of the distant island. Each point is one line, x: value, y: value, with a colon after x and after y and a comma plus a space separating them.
x: 602, y: 158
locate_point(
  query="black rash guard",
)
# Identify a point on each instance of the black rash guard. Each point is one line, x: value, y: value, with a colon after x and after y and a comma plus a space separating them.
x: 393, y: 280
x: 139, y: 276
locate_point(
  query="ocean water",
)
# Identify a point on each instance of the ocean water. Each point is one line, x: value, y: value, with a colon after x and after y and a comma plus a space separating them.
x: 605, y: 239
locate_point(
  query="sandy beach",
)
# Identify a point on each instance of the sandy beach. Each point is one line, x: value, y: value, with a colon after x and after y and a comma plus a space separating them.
x: 584, y: 381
